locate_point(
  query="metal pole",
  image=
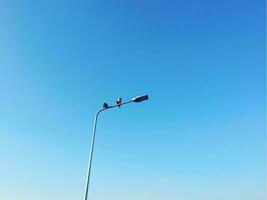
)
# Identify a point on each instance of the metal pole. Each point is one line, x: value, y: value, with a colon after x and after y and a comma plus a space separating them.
x: 91, y: 155
x: 137, y: 99
x: 92, y: 147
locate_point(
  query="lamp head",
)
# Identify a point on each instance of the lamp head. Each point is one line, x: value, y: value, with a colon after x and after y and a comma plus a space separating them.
x: 140, y: 98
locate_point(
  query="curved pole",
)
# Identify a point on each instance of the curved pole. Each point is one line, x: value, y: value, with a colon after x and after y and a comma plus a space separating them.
x: 92, y: 147
x: 91, y: 154
x: 93, y: 143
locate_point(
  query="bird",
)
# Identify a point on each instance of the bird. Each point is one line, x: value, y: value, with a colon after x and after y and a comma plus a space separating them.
x: 105, y: 105
x: 119, y: 101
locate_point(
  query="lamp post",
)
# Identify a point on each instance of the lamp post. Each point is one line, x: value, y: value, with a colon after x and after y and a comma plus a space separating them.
x: 105, y: 107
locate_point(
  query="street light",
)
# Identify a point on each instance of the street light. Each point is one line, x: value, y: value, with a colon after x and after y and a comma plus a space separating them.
x: 105, y: 107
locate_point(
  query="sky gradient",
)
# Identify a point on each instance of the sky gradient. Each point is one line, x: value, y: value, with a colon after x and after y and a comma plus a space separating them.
x: 201, y: 135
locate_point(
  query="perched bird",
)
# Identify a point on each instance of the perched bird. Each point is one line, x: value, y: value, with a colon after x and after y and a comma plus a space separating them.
x: 119, y: 101
x: 105, y: 105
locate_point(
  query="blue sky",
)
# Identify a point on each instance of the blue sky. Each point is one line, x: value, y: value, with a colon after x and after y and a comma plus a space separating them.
x: 201, y: 136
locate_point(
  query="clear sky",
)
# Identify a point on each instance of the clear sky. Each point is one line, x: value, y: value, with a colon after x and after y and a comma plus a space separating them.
x: 200, y: 136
